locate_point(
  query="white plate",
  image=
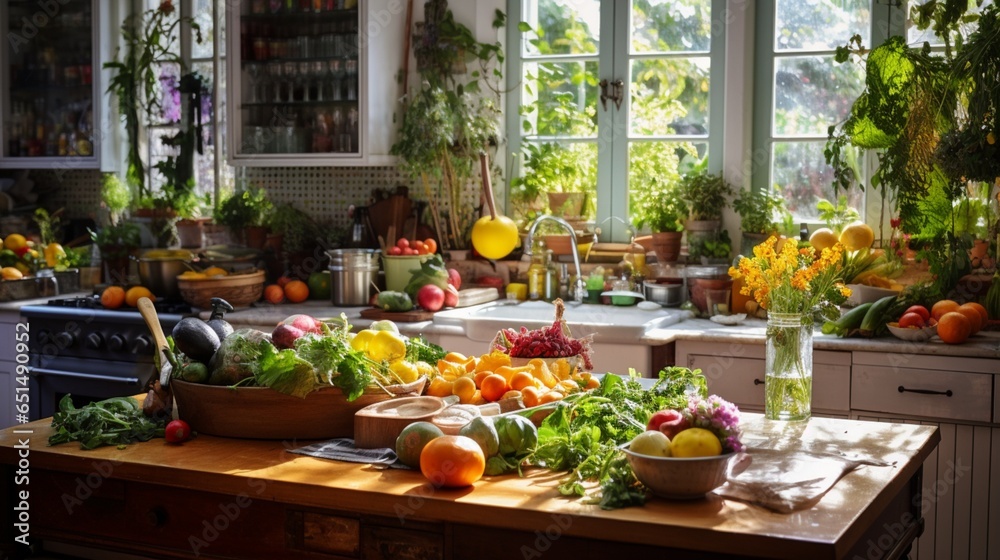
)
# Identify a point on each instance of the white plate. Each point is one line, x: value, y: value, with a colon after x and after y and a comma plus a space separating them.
x: 728, y: 320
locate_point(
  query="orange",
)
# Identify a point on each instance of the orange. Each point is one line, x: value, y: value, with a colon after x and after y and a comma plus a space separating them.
x: 431, y: 245
x: 134, y: 293
x: 297, y: 291
x: 954, y: 327
x: 972, y: 314
x: 521, y: 380
x: 274, y: 294
x: 452, y: 461
x: 480, y: 375
x: 942, y: 307
x: 113, y: 297
x: 493, y: 387
x: 983, y: 314
x: 465, y: 389
x: 440, y: 387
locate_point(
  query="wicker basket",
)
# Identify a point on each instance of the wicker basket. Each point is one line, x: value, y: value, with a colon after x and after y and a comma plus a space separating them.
x: 240, y: 290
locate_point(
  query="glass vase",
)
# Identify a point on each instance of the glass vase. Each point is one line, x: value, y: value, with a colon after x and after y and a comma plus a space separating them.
x: 788, y: 373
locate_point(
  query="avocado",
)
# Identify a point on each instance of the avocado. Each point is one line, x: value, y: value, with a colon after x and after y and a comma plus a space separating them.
x: 196, y: 339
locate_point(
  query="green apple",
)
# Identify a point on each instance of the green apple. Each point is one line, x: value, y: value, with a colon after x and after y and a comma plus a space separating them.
x: 651, y: 442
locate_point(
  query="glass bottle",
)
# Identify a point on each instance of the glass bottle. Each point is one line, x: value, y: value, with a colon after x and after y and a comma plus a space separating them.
x: 551, y: 290
x: 536, y: 275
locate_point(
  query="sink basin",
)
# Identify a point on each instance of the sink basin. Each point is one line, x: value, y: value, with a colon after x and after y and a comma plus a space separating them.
x: 607, y: 323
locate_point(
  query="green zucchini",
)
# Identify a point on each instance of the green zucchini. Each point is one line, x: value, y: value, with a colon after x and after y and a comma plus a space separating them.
x: 877, y: 316
x: 394, y: 301
x: 848, y: 321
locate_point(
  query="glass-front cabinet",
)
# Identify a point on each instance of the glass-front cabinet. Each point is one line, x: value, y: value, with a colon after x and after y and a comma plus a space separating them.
x: 302, y: 90
x: 49, y: 84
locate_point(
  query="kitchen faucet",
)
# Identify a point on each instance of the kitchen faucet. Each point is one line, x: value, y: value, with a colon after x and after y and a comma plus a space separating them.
x: 578, y: 290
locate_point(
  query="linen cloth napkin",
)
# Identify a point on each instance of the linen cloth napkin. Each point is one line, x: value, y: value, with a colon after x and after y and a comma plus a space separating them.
x: 786, y: 481
x: 343, y: 449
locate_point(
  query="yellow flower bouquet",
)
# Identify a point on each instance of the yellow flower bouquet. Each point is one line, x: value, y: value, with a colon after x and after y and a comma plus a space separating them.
x: 793, y: 285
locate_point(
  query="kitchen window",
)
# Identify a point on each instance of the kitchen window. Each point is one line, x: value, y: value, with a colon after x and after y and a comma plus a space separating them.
x: 207, y: 58
x: 611, y: 99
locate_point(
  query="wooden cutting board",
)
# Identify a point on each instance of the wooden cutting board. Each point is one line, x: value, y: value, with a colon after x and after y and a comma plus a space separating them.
x: 475, y: 296
x: 411, y: 316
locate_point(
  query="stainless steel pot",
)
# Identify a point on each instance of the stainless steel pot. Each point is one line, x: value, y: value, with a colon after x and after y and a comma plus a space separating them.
x: 668, y: 295
x: 353, y: 275
x: 159, y: 269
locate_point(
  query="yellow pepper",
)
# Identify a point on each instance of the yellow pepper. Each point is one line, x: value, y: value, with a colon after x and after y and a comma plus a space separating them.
x: 385, y: 346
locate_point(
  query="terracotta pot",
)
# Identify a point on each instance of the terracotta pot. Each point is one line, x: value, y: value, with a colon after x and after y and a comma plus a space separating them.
x: 979, y: 248
x: 190, y: 233
x: 566, y: 204
x: 667, y: 245
x: 255, y: 236
x: 702, y: 226
x: 700, y: 285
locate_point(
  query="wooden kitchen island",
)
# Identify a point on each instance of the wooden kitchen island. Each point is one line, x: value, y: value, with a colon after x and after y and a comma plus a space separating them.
x: 230, y: 498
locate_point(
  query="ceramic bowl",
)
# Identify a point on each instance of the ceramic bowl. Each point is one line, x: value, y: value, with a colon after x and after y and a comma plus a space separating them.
x: 913, y: 335
x: 679, y: 478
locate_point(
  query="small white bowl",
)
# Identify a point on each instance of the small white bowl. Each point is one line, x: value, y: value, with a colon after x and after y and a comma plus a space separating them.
x: 913, y: 335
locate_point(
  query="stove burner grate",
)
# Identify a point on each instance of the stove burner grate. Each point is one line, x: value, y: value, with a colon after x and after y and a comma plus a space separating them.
x: 94, y: 302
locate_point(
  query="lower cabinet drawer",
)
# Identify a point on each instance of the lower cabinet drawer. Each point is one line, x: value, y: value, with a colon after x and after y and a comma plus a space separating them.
x: 741, y: 380
x: 923, y: 393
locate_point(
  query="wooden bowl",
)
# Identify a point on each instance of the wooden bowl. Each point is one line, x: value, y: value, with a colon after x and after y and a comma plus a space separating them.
x: 262, y: 413
x: 240, y: 290
x: 379, y: 424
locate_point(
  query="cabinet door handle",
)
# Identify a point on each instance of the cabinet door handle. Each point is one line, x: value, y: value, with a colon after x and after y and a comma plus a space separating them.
x: 947, y: 393
x: 757, y: 382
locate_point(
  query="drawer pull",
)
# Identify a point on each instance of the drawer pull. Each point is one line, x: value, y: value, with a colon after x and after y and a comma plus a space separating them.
x: 947, y: 393
x: 757, y: 381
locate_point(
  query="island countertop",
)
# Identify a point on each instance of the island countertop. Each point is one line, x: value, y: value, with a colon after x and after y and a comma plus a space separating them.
x: 160, y: 499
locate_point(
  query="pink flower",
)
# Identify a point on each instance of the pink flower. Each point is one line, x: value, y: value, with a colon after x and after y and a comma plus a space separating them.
x: 895, y: 222
x: 167, y: 7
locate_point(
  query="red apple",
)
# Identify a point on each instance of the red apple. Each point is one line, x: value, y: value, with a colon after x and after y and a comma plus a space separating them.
x: 430, y: 297
x: 454, y: 278
x: 451, y: 296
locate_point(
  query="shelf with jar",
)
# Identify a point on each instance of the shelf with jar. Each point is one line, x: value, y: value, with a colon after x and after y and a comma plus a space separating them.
x: 49, y: 92
x: 304, y: 93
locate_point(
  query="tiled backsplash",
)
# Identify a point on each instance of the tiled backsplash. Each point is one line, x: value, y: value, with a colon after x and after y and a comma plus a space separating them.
x: 323, y: 193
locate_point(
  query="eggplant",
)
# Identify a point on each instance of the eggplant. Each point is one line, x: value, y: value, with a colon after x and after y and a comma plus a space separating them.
x: 219, y: 309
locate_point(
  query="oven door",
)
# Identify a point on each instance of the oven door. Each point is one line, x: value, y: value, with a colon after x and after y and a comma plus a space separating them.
x: 86, y: 380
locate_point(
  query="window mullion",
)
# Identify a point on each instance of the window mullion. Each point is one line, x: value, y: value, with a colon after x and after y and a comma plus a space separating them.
x: 612, y: 124
x: 513, y: 97
x: 763, y: 94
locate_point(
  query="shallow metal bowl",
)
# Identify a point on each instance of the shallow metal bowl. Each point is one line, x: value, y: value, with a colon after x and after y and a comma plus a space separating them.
x: 668, y: 295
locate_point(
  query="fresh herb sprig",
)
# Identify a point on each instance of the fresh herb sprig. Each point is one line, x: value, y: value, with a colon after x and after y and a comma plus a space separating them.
x: 583, y: 436
x: 115, y: 421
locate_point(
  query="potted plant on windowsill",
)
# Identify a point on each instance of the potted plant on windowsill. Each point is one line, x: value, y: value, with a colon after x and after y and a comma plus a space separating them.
x: 245, y: 213
x: 759, y: 212
x: 706, y: 196
x: 662, y: 211
x: 119, y: 238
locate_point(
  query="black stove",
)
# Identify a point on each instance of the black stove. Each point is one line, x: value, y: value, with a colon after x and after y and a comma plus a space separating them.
x: 78, y: 347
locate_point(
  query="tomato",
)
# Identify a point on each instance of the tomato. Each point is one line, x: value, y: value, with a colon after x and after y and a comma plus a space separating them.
x: 919, y: 310
x: 177, y: 431
x: 403, y: 243
x: 911, y: 320
x: 395, y: 250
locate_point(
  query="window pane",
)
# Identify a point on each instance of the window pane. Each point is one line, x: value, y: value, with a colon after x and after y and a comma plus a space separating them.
x: 669, y: 96
x: 158, y: 152
x: 169, y: 111
x: 202, y: 14
x: 664, y: 26
x: 799, y: 171
x: 554, y: 167
x: 569, y: 26
x: 915, y: 36
x: 654, y: 167
x: 813, y: 92
x: 820, y: 25
x: 560, y: 99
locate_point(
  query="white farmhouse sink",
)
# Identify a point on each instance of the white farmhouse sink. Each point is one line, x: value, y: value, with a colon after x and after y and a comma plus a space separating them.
x: 608, y: 323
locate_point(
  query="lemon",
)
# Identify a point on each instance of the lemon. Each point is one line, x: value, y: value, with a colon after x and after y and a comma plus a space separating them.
x: 696, y: 442
x: 215, y: 271
x: 823, y: 238
x: 15, y: 241
x: 11, y: 273
x: 653, y: 443
x: 362, y: 339
x: 404, y: 370
x: 386, y: 346
x: 857, y: 236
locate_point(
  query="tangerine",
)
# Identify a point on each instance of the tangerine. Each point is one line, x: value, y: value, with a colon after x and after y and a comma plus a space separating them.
x: 983, y: 314
x: 493, y: 387
x: 465, y: 389
x: 942, y: 307
x: 296, y: 291
x: 550, y: 396
x: 134, y: 293
x: 452, y: 461
x: 431, y: 245
x: 274, y: 294
x: 972, y: 314
x: 954, y: 327
x: 522, y: 379
x: 531, y: 396
x: 113, y: 297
